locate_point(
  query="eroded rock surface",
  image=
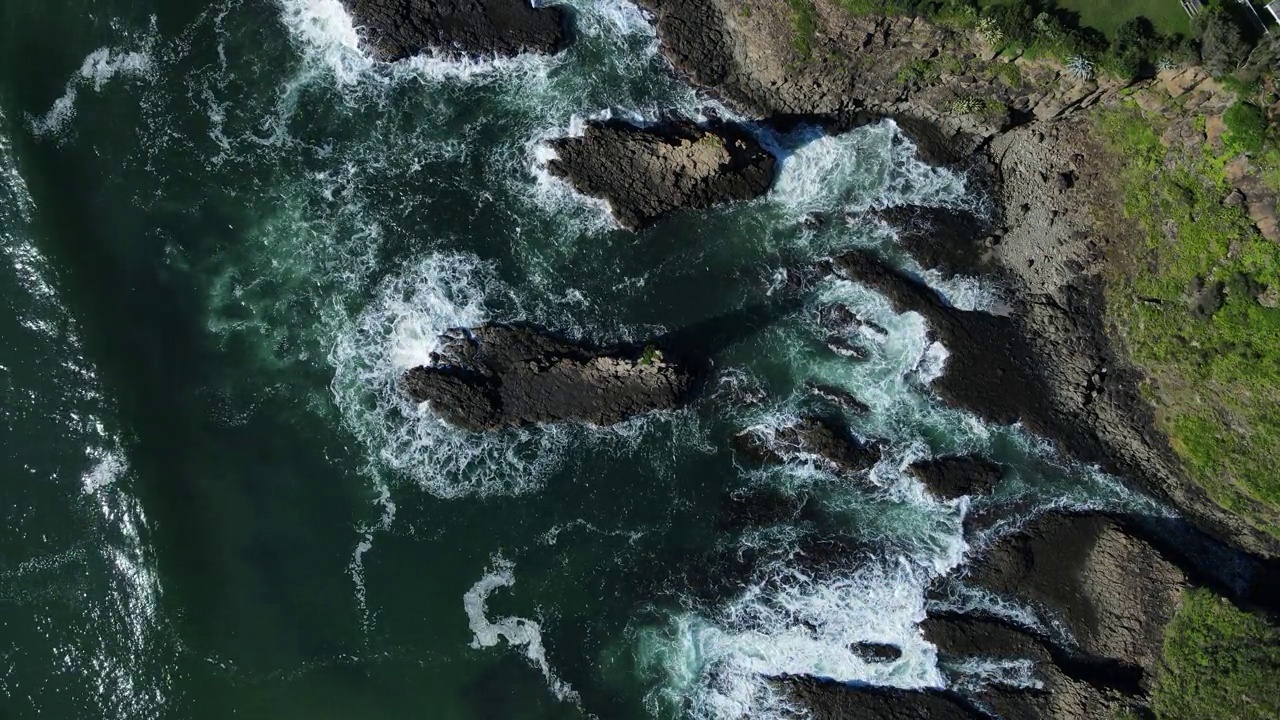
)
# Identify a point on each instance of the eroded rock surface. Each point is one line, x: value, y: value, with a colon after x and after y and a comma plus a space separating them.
x: 647, y: 172
x: 499, y: 376
x: 399, y: 29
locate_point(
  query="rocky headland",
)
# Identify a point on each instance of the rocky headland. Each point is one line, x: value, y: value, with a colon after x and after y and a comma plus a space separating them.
x: 647, y: 172
x: 499, y: 376
x: 399, y: 29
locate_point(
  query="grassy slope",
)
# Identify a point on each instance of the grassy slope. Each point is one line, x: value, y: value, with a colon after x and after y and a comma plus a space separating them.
x: 1218, y: 663
x: 1215, y: 380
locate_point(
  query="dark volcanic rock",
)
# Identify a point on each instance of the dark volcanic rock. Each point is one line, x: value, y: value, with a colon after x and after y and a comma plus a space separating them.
x: 877, y: 652
x: 1074, y: 688
x: 501, y: 376
x: 398, y: 29
x: 822, y: 438
x: 943, y: 239
x: 954, y: 476
x: 828, y: 700
x: 645, y: 173
x: 1113, y: 590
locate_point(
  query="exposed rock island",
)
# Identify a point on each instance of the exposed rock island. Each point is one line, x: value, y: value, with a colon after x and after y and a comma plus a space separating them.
x: 647, y: 172
x: 399, y: 29
x: 500, y: 376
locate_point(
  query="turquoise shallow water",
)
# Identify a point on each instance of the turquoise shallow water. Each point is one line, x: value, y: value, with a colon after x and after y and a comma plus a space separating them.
x: 226, y: 233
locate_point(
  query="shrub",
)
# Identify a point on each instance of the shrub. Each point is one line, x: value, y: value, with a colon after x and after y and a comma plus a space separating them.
x: 1246, y: 127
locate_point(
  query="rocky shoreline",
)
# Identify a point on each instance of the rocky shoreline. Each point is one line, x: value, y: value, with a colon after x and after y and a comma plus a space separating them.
x: 1101, y: 590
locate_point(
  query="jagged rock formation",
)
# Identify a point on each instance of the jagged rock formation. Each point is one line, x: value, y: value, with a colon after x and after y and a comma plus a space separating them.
x: 647, y: 172
x: 824, y: 440
x: 499, y: 376
x: 399, y: 29
x: 954, y: 476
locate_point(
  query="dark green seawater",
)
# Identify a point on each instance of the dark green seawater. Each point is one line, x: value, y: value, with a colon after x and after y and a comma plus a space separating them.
x: 225, y: 235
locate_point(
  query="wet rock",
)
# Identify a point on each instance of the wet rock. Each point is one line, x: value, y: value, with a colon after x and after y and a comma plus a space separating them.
x: 399, y: 29
x: 498, y: 376
x: 843, y: 399
x: 762, y: 507
x: 948, y: 240
x: 840, y: 318
x: 845, y: 348
x: 877, y: 652
x: 830, y: 700
x: 954, y: 476
x: 811, y: 438
x: 647, y: 172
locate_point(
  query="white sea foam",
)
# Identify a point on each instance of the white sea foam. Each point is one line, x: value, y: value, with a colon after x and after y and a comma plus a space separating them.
x: 398, y: 331
x: 98, y: 68
x: 791, y: 624
x: 518, y: 632
x: 872, y: 167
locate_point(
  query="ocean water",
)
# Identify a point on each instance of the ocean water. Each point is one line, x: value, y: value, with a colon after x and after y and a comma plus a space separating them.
x: 226, y: 232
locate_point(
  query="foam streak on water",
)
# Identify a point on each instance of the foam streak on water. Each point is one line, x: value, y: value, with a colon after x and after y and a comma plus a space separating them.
x: 518, y: 632
x: 98, y: 69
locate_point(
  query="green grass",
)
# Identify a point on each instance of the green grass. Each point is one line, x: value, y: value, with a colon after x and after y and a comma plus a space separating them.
x: 804, y: 21
x: 1107, y: 15
x: 1216, y: 379
x: 1218, y: 663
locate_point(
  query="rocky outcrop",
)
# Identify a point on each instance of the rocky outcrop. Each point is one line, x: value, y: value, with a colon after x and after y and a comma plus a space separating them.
x: 954, y: 476
x: 499, y: 376
x: 1069, y: 688
x: 949, y: 240
x: 1112, y: 590
x: 877, y: 652
x: 647, y: 172
x: 822, y: 440
x: 399, y: 29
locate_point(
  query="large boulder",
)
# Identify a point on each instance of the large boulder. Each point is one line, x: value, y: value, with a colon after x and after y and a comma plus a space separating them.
x: 399, y: 29
x: 498, y: 376
x: 647, y: 172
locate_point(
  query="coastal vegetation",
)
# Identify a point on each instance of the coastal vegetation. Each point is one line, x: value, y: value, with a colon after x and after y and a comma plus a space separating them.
x: 1196, y: 307
x: 1218, y: 662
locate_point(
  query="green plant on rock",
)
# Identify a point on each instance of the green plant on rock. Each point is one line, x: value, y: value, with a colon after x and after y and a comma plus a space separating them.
x: 651, y: 355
